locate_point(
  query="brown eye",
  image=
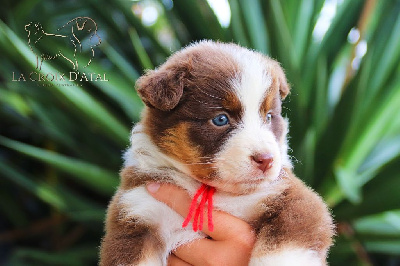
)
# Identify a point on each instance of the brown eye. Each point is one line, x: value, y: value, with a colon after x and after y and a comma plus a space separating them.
x: 268, y: 118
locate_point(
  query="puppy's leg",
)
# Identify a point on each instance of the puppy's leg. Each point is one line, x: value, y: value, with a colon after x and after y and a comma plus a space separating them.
x: 295, y: 228
x: 129, y: 242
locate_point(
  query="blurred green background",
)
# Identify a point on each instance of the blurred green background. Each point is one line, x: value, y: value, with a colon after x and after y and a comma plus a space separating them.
x: 61, y: 141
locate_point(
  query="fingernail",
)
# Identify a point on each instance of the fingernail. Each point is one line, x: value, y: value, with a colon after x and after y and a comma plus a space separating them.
x: 153, y: 187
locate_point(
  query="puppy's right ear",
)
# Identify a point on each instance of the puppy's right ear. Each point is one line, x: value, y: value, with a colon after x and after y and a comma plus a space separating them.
x: 161, y: 89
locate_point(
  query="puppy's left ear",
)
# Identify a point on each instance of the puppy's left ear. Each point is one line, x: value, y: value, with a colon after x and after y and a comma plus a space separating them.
x: 284, y: 87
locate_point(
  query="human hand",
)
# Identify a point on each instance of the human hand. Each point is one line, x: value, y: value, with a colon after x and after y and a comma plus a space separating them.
x: 231, y: 240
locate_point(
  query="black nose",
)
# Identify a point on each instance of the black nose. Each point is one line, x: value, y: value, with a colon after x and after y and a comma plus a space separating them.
x: 264, y: 160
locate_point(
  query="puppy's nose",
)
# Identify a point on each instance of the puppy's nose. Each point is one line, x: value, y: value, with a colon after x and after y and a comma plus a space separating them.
x: 264, y: 160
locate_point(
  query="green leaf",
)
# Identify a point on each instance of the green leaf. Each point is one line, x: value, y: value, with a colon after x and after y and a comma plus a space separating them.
x: 303, y: 31
x: 387, y: 57
x: 286, y: 50
x: 346, y: 17
x: 92, y: 176
x: 118, y: 88
x: 356, y: 150
x: 391, y: 247
x: 255, y: 24
x: 348, y: 183
x: 237, y: 24
x: 139, y: 50
x: 9, y: 207
x: 119, y: 61
x: 81, y: 255
x: 380, y: 194
x: 197, y: 16
x: 15, y: 101
x: 383, y: 224
x: 77, y: 207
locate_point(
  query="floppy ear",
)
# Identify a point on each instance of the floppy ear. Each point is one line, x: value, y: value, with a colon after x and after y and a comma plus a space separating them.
x: 284, y: 88
x: 161, y: 89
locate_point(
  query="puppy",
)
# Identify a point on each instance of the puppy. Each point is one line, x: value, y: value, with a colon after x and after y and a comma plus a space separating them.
x: 213, y: 120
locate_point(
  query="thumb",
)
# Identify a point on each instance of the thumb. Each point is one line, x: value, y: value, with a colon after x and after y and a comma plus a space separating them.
x: 176, y: 198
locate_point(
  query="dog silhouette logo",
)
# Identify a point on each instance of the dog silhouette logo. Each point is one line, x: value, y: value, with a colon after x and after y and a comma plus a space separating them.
x: 80, y: 34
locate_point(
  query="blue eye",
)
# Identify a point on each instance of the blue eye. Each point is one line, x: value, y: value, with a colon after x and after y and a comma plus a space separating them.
x: 269, y: 117
x: 220, y: 120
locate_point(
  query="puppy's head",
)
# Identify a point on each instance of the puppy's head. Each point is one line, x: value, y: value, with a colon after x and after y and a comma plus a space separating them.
x: 216, y: 109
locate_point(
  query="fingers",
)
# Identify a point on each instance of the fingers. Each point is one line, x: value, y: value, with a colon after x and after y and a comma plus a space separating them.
x: 210, y: 252
x: 225, y: 226
x: 197, y: 252
x: 232, y: 239
x: 175, y: 261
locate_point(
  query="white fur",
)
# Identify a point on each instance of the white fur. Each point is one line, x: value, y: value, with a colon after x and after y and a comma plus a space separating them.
x: 245, y: 206
x: 288, y: 257
x: 254, y: 83
x: 286, y: 162
x: 152, y: 261
x: 139, y: 204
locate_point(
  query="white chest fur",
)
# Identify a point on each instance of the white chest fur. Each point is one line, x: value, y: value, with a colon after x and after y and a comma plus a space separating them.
x: 139, y: 204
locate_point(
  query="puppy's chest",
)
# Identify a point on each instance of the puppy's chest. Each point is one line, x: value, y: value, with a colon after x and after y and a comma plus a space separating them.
x: 245, y: 207
x: 137, y: 202
x: 139, y: 205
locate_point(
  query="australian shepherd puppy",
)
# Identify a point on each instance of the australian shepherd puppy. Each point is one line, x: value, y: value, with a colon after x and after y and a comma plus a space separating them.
x: 213, y: 120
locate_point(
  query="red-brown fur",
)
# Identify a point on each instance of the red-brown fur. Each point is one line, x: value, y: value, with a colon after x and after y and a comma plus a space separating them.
x: 298, y: 215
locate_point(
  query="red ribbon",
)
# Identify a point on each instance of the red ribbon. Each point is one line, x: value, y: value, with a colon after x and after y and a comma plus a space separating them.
x: 206, y: 193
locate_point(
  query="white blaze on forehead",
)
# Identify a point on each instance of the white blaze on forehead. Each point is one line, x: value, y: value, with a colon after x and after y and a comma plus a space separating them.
x: 251, y: 87
x: 253, y: 83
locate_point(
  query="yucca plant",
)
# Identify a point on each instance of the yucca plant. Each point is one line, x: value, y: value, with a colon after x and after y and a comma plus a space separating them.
x: 61, y: 141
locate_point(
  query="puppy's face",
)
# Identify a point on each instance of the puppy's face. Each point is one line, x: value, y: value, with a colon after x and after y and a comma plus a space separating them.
x: 216, y: 109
